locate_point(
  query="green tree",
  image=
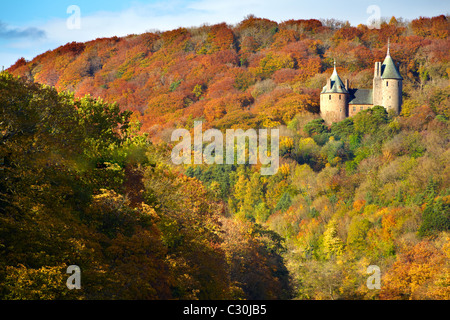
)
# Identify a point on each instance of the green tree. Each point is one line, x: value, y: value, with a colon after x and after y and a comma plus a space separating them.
x: 369, y: 121
x: 284, y: 203
x: 357, y: 232
x: 435, y: 217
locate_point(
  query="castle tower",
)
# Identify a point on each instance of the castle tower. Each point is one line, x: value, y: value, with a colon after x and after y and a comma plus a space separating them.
x: 391, y: 85
x: 377, y: 85
x: 334, y: 99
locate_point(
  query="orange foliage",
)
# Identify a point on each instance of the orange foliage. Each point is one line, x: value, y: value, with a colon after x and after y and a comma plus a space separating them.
x: 285, y: 75
x: 221, y: 37
x: 18, y: 64
x: 418, y: 273
x: 346, y: 33
x: 156, y: 73
x: 436, y: 27
x: 284, y: 37
x: 358, y: 205
x: 308, y: 68
x: 174, y: 36
x: 217, y: 108
x: 305, y: 25
x: 280, y: 106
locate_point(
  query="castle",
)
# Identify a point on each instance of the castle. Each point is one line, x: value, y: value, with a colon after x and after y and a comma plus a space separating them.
x: 339, y: 101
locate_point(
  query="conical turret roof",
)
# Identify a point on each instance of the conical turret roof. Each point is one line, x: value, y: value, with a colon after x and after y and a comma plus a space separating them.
x: 337, y: 86
x: 388, y: 68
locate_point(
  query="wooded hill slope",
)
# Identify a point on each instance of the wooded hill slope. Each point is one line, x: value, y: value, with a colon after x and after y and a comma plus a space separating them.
x: 370, y: 190
x: 256, y: 73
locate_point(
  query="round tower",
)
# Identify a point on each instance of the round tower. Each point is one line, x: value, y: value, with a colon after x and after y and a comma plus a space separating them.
x: 391, y: 85
x: 334, y: 99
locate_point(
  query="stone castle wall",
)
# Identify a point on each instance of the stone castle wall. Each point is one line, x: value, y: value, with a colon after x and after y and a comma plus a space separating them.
x: 355, y: 108
x: 377, y: 85
x: 392, y: 94
x: 333, y: 107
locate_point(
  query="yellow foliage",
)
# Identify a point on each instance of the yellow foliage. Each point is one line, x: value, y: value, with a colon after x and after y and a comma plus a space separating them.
x: 421, y: 272
x: 333, y: 245
x: 287, y: 142
x: 268, y: 123
x: 284, y: 169
x: 273, y: 62
x: 45, y: 283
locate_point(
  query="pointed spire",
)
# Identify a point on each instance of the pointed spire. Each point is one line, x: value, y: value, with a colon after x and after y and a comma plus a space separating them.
x: 335, y: 84
x: 389, y: 70
x: 334, y: 70
x: 389, y: 45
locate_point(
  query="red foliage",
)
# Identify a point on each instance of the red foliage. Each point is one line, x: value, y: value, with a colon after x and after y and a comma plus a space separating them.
x: 249, y: 44
x: 19, y: 63
x: 284, y: 37
x: 285, y: 75
x: 175, y: 36
x: 254, y: 22
x: 438, y: 50
x: 222, y: 37
x: 209, y: 71
x: 347, y: 33
x: 306, y: 25
x: 436, y: 27
x: 74, y: 48
x: 222, y: 88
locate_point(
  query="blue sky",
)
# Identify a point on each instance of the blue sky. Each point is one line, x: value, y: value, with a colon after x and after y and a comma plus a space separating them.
x: 28, y: 28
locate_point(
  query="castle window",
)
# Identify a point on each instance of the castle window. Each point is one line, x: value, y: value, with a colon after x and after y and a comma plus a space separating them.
x: 354, y: 108
x: 339, y: 97
x: 329, y: 97
x: 362, y: 108
x: 387, y: 83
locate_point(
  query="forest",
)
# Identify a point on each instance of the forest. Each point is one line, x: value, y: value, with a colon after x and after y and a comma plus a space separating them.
x: 87, y: 179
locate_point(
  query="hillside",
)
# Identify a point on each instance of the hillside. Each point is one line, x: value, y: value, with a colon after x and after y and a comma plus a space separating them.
x: 75, y: 190
x: 86, y: 183
x: 257, y: 73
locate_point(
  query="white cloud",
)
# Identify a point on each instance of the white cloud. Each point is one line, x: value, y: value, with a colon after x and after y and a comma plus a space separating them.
x: 168, y: 15
x: 165, y: 16
x: 139, y: 18
x: 221, y: 7
x: 134, y: 20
